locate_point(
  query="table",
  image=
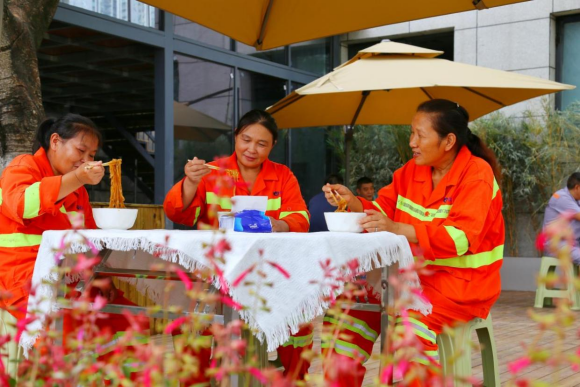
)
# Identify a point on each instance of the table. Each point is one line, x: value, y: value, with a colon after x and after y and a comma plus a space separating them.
x: 292, y: 301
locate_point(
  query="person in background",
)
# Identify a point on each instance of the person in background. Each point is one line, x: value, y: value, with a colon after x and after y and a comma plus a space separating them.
x: 564, y: 201
x: 318, y: 205
x: 365, y: 188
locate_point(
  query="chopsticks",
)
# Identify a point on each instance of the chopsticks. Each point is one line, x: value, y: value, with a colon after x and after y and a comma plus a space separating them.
x: 102, y: 165
x: 333, y: 193
x: 209, y: 166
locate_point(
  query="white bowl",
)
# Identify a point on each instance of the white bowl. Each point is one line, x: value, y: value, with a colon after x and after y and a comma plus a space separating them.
x: 344, y: 221
x: 115, y: 218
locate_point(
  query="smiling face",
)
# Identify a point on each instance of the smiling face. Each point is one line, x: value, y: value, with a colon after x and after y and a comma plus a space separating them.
x: 67, y: 155
x: 253, y: 145
x: 428, y: 148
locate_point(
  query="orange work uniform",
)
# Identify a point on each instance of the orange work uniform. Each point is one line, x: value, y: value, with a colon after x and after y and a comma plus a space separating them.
x: 28, y: 207
x: 460, y: 232
x: 285, y: 202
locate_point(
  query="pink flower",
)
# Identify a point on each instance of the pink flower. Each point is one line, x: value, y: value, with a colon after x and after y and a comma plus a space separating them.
x: 222, y: 247
x: 541, y: 241
x: 241, y: 277
x: 99, y: 302
x: 387, y: 375
x: 231, y: 303
x: 279, y: 268
x: 184, y: 278
x: 519, y: 365
x: 178, y: 322
x: 84, y: 263
x: 258, y: 375
x: 21, y: 326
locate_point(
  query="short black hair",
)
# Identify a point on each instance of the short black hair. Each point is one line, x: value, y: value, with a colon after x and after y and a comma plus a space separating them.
x: 67, y: 127
x: 334, y: 178
x: 363, y: 180
x: 573, y: 180
x: 258, y: 117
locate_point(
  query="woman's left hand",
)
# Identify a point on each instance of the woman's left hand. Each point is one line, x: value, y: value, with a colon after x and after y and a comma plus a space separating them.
x: 375, y: 221
x: 279, y: 225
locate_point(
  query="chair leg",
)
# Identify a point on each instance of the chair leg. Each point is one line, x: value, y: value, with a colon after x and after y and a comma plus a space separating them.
x: 488, y: 355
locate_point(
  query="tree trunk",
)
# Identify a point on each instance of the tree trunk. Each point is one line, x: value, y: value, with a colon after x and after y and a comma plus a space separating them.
x: 23, y: 27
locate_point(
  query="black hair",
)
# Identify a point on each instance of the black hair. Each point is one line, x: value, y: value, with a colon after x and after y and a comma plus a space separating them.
x: 258, y: 117
x: 573, y: 180
x: 363, y: 180
x: 67, y: 127
x: 333, y: 178
x: 449, y: 117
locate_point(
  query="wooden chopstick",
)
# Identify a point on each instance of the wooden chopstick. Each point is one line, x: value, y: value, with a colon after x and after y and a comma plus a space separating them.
x: 209, y: 166
x: 103, y: 165
x: 334, y: 197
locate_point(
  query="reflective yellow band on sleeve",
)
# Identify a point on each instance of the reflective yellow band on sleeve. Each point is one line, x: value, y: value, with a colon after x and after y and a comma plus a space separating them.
x: 303, y: 213
x: 0, y: 196
x: 379, y: 207
x: 274, y: 204
x: 347, y: 349
x: 459, y: 238
x: 495, y: 189
x: 299, y: 341
x: 419, y: 212
x: 32, y: 201
x: 224, y: 202
x: 19, y: 240
x: 473, y: 261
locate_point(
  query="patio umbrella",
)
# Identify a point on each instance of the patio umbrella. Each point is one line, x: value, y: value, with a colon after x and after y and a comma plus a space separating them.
x: 193, y: 125
x: 267, y: 24
x: 385, y: 83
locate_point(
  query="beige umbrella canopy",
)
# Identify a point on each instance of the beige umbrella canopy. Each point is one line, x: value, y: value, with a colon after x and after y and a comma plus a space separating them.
x: 385, y: 83
x: 267, y: 24
x: 193, y: 125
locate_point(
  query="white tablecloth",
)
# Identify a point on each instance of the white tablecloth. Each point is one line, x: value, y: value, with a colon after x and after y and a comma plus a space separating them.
x: 292, y: 301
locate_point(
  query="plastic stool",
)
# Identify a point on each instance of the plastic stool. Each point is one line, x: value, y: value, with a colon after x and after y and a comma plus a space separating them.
x: 11, y: 351
x: 544, y: 295
x: 455, y: 352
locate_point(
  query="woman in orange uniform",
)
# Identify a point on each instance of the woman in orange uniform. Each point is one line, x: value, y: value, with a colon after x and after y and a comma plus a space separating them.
x: 37, y: 193
x: 446, y: 202
x: 190, y: 200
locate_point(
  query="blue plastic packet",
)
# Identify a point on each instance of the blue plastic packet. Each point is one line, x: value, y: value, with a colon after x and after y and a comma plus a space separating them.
x: 252, y: 221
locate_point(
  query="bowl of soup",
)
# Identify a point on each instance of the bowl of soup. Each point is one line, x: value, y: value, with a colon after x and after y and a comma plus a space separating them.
x: 115, y: 218
x: 344, y: 221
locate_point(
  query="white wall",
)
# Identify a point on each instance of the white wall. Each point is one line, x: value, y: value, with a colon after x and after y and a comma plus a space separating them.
x: 519, y: 273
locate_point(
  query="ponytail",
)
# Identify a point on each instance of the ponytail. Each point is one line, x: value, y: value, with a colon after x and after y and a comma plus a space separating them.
x: 66, y: 127
x: 449, y: 117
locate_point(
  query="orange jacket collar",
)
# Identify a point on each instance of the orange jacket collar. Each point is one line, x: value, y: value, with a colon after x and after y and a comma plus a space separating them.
x: 42, y: 161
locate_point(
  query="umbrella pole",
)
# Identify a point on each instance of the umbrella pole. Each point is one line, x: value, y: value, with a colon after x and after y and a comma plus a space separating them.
x: 348, y: 137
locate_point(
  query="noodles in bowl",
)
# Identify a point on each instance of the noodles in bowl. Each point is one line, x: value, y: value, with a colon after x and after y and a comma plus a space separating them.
x: 116, y: 217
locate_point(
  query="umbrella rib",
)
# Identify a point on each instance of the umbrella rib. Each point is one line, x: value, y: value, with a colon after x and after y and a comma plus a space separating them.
x: 365, y: 94
x: 264, y: 24
x: 425, y: 91
x: 288, y: 103
x: 484, y: 96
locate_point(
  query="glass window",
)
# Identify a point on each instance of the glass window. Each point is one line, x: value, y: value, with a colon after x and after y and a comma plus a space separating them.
x: 128, y: 10
x: 205, y: 111
x: 276, y: 55
x: 258, y: 91
x: 312, y: 56
x: 569, y: 59
x: 190, y: 30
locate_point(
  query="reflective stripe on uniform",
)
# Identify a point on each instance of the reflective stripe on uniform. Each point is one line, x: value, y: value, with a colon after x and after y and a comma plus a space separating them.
x: 472, y: 261
x: 379, y: 207
x: 274, y: 204
x: 495, y: 189
x: 224, y: 202
x: 419, y: 329
x: 32, y: 201
x: 347, y: 349
x: 197, y: 212
x: 355, y: 325
x: 0, y: 196
x: 303, y: 213
x: 419, y: 212
x: 19, y: 240
x: 299, y: 341
x: 459, y: 238
x: 426, y: 358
